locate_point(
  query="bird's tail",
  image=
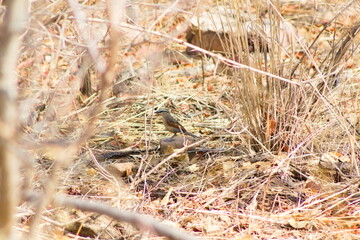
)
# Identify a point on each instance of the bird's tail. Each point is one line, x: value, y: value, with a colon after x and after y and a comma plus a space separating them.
x: 190, y: 134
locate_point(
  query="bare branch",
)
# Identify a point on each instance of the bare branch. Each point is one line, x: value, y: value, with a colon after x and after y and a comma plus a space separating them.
x: 10, y: 31
x: 142, y: 222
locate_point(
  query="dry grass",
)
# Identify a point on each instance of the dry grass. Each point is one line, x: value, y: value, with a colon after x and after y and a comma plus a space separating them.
x: 288, y: 165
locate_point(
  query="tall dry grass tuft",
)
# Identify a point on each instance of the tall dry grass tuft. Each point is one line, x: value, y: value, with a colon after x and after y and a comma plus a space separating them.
x: 278, y: 115
x: 268, y: 108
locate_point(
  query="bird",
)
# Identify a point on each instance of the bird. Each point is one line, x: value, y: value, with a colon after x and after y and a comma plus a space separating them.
x: 171, y: 124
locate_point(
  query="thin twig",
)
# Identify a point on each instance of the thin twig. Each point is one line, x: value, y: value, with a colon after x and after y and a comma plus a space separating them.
x: 173, y: 155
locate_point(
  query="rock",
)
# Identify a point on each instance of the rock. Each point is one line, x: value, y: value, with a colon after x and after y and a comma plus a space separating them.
x: 168, y: 144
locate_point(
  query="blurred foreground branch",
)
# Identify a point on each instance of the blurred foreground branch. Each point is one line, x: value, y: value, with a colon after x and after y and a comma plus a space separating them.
x: 142, y: 222
x: 10, y: 30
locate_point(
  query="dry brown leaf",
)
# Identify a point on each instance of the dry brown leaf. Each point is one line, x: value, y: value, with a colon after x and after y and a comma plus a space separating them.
x: 166, y: 199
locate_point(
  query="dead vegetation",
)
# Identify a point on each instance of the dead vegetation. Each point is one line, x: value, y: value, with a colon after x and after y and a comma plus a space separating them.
x: 272, y: 88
